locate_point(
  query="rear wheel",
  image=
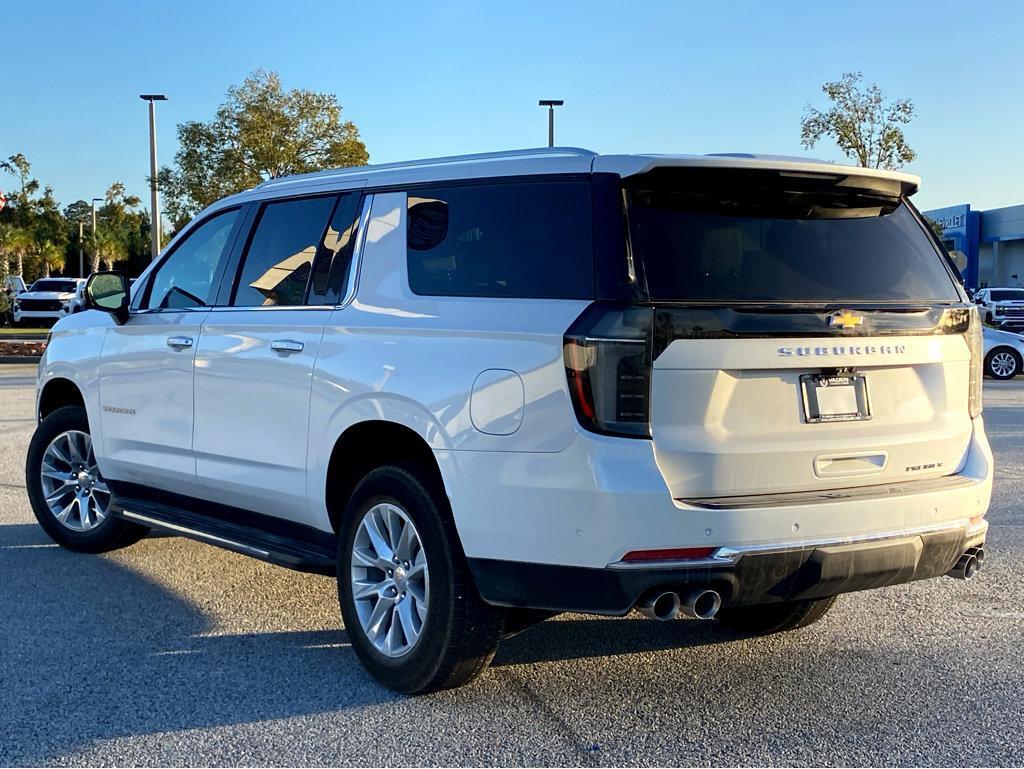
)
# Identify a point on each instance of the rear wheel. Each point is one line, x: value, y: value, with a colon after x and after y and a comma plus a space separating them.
x: 69, y: 496
x: 1003, y: 363
x: 410, y: 607
x: 774, y: 617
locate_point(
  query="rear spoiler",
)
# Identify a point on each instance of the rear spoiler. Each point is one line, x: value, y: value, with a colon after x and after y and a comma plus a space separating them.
x: 893, y: 183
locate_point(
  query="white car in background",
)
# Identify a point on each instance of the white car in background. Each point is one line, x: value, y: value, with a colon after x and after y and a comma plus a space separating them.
x: 1004, y: 353
x: 46, y: 300
x: 77, y: 302
x: 1001, y: 306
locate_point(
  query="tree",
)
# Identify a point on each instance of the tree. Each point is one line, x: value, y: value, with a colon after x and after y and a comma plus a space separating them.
x: 17, y: 243
x: 260, y: 132
x: 863, y: 125
x: 17, y: 165
x: 50, y: 255
x: 106, y: 247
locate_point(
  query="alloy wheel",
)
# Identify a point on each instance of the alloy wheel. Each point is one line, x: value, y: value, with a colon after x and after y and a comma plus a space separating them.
x: 1003, y: 364
x: 389, y: 579
x: 73, y: 489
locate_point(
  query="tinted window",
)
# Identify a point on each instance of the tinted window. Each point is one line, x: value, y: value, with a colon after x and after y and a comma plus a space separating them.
x: 279, y: 260
x: 330, y: 271
x: 997, y: 296
x: 782, y: 239
x: 62, y: 286
x: 185, y: 279
x: 521, y: 239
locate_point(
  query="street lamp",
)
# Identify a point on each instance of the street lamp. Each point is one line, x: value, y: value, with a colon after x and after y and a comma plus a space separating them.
x: 154, y: 211
x: 81, y: 267
x: 551, y: 104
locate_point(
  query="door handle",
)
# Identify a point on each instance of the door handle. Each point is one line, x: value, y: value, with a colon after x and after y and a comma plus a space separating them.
x: 179, y: 342
x: 286, y: 345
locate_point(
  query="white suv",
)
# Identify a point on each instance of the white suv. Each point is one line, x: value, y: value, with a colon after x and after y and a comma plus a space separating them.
x: 47, y: 299
x: 1001, y: 306
x: 485, y: 390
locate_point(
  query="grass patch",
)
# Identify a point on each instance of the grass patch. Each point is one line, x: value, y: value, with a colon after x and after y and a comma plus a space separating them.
x: 23, y: 331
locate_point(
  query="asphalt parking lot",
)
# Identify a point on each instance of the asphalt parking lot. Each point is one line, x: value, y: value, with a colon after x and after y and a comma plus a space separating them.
x: 172, y: 652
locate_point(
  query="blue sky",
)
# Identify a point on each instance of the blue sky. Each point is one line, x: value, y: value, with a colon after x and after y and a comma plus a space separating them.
x: 425, y: 79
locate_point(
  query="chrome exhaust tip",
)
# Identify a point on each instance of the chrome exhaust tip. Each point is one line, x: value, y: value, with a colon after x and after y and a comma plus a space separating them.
x: 702, y: 603
x: 979, y: 556
x: 662, y: 606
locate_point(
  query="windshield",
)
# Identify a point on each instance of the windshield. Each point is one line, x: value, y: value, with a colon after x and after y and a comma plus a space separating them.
x: 1007, y: 296
x: 771, y: 237
x: 49, y: 284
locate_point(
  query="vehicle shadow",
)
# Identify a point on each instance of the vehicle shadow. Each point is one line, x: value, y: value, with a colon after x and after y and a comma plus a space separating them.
x: 580, y: 636
x: 91, y: 650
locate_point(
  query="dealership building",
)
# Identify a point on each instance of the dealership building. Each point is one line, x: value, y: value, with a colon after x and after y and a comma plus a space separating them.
x: 992, y: 243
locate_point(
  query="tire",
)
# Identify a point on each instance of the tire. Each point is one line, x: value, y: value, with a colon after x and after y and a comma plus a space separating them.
x: 456, y: 639
x: 1003, y: 363
x: 99, y: 531
x: 774, y: 617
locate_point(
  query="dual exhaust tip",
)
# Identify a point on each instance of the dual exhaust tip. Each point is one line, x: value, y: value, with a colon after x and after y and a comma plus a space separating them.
x: 699, y: 603
x: 969, y: 564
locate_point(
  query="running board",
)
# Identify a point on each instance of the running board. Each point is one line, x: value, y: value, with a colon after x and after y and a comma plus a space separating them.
x: 300, y: 554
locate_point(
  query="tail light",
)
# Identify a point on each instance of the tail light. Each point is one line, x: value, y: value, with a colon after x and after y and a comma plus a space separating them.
x: 976, y: 345
x: 608, y: 359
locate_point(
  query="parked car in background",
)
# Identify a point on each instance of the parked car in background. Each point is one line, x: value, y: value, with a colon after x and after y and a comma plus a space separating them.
x: 1004, y: 353
x: 1001, y: 306
x: 15, y: 284
x: 46, y: 300
x: 77, y: 303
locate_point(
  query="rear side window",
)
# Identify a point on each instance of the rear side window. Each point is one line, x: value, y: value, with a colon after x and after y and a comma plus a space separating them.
x: 279, y: 260
x: 769, y: 237
x: 515, y: 239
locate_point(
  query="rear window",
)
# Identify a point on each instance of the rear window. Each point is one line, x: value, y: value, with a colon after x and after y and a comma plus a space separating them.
x: 769, y: 237
x: 62, y: 286
x: 516, y: 239
x: 1007, y: 296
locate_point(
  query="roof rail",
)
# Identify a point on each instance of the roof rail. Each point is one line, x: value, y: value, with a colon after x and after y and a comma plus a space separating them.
x: 453, y: 159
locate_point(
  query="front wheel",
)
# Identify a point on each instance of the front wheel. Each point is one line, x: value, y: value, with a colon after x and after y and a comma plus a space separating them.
x: 1003, y: 363
x: 69, y: 497
x: 774, y: 617
x: 410, y: 607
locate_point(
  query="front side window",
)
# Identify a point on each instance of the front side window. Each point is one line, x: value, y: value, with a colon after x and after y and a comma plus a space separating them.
x: 279, y: 260
x: 516, y: 239
x: 186, y: 278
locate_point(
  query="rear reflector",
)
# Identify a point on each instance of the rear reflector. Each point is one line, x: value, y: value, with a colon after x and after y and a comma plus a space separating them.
x: 671, y: 554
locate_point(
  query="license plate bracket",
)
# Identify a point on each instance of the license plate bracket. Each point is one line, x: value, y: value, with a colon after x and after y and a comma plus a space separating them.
x: 835, y: 397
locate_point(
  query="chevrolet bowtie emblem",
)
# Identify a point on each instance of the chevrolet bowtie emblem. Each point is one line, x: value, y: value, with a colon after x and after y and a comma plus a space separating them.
x: 845, y: 319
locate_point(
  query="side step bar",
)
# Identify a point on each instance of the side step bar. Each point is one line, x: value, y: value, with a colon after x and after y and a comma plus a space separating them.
x: 317, y: 557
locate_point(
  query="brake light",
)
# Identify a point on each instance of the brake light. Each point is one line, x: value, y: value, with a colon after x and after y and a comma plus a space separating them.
x: 976, y: 345
x: 608, y: 359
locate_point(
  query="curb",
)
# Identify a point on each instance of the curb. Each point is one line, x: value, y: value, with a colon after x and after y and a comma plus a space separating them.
x: 20, y: 358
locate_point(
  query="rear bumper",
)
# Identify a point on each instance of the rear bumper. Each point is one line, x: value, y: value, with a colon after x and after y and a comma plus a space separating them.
x: 744, y: 576
x: 590, y: 504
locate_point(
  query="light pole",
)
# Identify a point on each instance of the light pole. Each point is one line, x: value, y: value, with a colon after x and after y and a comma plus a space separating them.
x: 94, y: 201
x: 551, y: 104
x: 154, y: 210
x: 81, y: 257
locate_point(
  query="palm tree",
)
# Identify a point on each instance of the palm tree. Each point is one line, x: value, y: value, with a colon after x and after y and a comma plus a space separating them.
x: 17, y: 242
x: 51, y: 257
x: 108, y: 248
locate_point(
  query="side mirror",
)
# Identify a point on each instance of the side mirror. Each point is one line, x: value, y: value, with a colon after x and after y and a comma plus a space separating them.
x: 108, y: 291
